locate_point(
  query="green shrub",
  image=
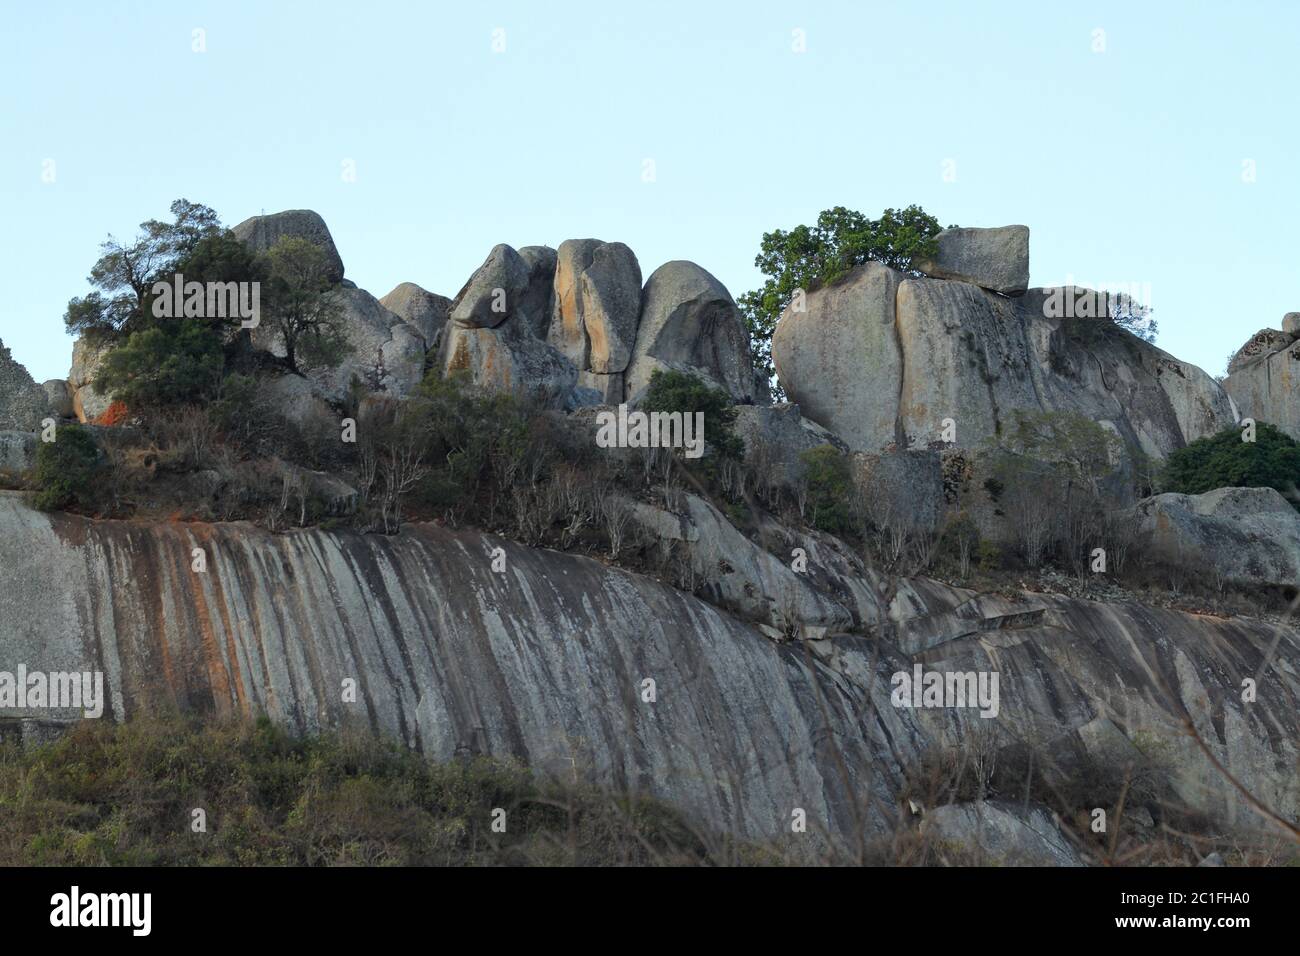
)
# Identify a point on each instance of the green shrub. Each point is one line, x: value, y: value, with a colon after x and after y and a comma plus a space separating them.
x: 830, y: 489
x: 111, y: 794
x: 1272, y: 460
x: 67, y: 469
x: 674, y: 391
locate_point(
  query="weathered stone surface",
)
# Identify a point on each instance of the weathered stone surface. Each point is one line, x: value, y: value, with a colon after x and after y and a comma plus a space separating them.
x: 1243, y: 536
x: 536, y: 302
x: 608, y: 387
x: 260, y: 233
x: 596, y: 305
x: 23, y: 403
x: 384, y: 353
x: 738, y: 575
x: 902, y: 489
x: 424, y: 310
x: 494, y: 292
x: 775, y: 436
x: 999, y: 833
x: 839, y: 356
x: 509, y: 358
x: 18, y: 451
x: 540, y: 664
x: 1291, y: 324
x: 1267, y: 388
x: 87, y: 404
x: 944, y: 350
x: 59, y: 394
x: 689, y: 322
x: 1259, y: 347
x: 996, y: 259
x: 295, y: 398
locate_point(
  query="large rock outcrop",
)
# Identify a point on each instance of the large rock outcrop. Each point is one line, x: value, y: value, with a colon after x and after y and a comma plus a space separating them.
x: 494, y: 292
x: 838, y: 356
x: 881, y: 359
x: 23, y: 403
x: 511, y: 359
x: 546, y: 662
x: 1264, y: 378
x: 1242, y: 536
x: 260, y: 233
x: 384, y: 353
x: 689, y: 322
x: 424, y: 310
x: 597, y: 304
x: 87, y: 403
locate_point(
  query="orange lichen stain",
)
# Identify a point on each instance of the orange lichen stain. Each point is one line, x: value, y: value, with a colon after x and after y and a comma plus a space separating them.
x: 115, y: 414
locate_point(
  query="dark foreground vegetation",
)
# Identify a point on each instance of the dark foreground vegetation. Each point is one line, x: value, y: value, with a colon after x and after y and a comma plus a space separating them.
x: 108, y: 794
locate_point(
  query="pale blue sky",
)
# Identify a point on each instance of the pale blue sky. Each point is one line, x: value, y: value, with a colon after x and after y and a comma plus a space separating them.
x: 1126, y: 164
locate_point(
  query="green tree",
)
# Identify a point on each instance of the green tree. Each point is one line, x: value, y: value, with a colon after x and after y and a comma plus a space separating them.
x: 808, y: 256
x: 180, y: 360
x: 303, y: 305
x: 830, y: 489
x: 1223, y: 460
x: 166, y: 361
x: 1133, y: 316
x: 66, y: 469
x: 674, y: 391
x: 124, y: 274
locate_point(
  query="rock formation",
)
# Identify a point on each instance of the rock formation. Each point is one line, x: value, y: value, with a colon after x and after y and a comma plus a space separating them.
x: 994, y: 259
x: 883, y: 359
x: 1263, y: 380
x: 1243, y: 536
x: 545, y: 663
x: 23, y: 403
x: 689, y: 322
x: 260, y: 233
x: 424, y: 310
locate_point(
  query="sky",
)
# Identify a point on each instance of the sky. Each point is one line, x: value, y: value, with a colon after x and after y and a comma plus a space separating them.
x: 1152, y: 147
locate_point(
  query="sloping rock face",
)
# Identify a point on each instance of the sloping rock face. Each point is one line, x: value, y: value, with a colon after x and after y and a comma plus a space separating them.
x: 689, y: 322
x: 494, y: 292
x: 260, y: 233
x: 1003, y: 834
x: 1244, y: 536
x: 546, y: 662
x: 880, y: 359
x: 1264, y: 380
x: 424, y: 310
x: 996, y: 259
x: 23, y: 403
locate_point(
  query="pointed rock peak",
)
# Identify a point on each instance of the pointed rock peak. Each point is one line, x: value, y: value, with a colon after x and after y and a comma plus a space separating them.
x: 260, y: 233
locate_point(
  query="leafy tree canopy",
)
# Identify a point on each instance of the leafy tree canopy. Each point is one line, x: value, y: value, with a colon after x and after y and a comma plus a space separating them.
x: 808, y: 256
x: 124, y: 273
x: 1223, y: 460
x: 674, y: 391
